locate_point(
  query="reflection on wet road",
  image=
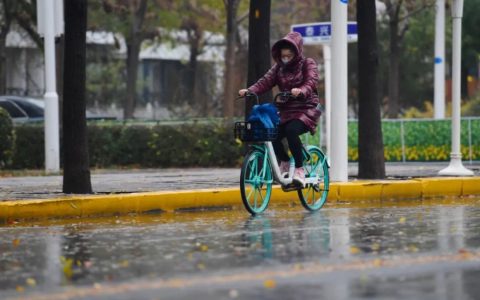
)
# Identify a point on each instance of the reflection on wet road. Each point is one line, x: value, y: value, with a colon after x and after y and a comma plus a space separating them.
x: 427, y: 252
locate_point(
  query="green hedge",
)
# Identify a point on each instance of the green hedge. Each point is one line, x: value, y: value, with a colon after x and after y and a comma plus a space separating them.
x: 6, y: 138
x: 212, y: 144
x: 188, y: 145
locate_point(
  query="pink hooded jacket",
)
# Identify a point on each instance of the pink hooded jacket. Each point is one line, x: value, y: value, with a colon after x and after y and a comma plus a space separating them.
x: 300, y: 73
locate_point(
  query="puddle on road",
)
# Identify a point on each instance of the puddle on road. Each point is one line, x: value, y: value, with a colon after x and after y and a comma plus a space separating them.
x: 44, y: 255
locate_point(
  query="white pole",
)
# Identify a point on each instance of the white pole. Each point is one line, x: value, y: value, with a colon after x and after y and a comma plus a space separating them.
x: 456, y: 167
x: 439, y: 69
x: 339, y: 130
x: 327, y: 57
x: 52, y: 153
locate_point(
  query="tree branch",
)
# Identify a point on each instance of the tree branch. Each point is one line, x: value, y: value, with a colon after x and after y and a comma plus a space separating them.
x: 242, y: 18
x: 408, y: 15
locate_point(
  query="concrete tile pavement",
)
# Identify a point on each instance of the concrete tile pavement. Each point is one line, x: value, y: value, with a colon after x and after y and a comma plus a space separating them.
x: 150, y: 180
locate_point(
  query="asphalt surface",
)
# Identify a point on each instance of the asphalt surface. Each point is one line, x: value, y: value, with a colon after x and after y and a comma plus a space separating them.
x: 148, y: 180
x: 400, y: 251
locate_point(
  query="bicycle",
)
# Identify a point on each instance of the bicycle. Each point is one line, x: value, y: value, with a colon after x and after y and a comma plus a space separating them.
x: 260, y: 168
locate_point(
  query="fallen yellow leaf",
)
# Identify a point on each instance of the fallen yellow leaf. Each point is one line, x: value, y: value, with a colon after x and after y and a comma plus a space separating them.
x: 354, y: 250
x: 402, y: 220
x: 413, y: 248
x: 124, y: 263
x: 377, y: 262
x: 67, y: 267
x: 16, y: 242
x: 269, y: 283
x: 31, y: 282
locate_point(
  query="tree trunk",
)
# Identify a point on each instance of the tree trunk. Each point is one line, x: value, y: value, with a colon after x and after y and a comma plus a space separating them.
x: 59, y: 58
x: 76, y: 176
x: 194, y: 41
x: 371, y: 162
x: 4, y: 29
x: 3, y: 65
x: 394, y: 72
x: 133, y: 50
x: 229, y: 93
x: 134, y: 41
x: 259, y: 54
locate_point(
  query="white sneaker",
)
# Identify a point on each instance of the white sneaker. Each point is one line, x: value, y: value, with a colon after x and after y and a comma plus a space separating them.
x: 299, y: 176
x: 284, y: 167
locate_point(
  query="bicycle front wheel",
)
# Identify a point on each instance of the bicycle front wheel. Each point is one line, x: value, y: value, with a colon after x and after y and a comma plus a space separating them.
x: 256, y: 181
x: 314, y: 195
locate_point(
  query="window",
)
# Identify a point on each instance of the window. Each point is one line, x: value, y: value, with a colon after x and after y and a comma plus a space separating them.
x: 32, y: 110
x: 12, y: 109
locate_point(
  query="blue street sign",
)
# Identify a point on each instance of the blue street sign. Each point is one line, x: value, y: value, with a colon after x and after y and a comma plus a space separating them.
x: 321, y: 33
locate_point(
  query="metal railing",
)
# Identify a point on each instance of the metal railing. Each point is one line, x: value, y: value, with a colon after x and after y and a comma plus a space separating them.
x: 472, y: 138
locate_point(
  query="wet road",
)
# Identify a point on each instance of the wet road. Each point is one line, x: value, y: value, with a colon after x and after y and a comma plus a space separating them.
x: 396, y: 251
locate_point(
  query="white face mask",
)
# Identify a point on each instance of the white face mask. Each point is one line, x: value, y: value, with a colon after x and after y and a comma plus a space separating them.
x: 285, y: 60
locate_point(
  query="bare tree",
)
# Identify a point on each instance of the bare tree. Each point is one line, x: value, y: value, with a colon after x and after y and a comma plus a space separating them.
x: 196, y: 19
x: 76, y: 176
x: 134, y: 41
x: 231, y: 7
x: 7, y: 14
x: 399, y: 12
x: 371, y: 162
x: 136, y: 19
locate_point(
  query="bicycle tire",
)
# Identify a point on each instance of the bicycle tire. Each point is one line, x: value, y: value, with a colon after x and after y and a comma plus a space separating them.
x: 314, y: 196
x: 256, y: 179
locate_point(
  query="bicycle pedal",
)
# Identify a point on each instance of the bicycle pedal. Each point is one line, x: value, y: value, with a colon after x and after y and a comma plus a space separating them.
x: 291, y: 187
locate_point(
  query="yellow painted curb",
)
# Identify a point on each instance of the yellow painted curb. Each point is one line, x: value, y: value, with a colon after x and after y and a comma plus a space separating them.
x: 169, y: 201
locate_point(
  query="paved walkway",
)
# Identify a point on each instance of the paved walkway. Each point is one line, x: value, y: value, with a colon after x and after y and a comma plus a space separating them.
x: 149, y: 180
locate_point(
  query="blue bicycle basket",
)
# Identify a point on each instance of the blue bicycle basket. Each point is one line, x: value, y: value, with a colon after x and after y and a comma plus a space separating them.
x: 261, y: 125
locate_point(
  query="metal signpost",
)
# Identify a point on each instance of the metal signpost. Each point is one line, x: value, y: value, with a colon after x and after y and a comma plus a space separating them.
x: 456, y: 167
x: 321, y: 34
x: 49, y: 25
x: 439, y: 68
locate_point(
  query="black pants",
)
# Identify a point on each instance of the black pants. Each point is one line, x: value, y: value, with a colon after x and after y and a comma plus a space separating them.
x: 292, y: 131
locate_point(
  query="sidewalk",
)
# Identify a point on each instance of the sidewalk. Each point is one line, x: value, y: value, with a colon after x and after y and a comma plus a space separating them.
x: 141, y: 190
x: 151, y: 180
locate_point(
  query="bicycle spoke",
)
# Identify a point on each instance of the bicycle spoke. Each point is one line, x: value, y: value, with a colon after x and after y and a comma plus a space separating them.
x: 256, y: 183
x: 249, y: 194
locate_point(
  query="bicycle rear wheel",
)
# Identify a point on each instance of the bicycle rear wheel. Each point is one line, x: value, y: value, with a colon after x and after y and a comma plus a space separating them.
x: 314, y: 195
x: 256, y: 181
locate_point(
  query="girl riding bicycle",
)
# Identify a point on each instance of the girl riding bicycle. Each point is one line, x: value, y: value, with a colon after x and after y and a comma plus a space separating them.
x: 299, y: 75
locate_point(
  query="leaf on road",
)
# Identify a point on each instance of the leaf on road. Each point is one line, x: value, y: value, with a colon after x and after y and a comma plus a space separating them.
x: 413, y: 248
x: 465, y: 254
x: 269, y: 284
x: 354, y: 250
x: 375, y: 246
x: 377, y: 262
x: 124, y: 264
x: 67, y: 266
x: 31, y: 282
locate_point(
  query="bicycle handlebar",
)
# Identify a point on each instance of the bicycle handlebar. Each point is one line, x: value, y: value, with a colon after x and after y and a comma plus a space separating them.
x: 250, y: 95
x: 286, y: 95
